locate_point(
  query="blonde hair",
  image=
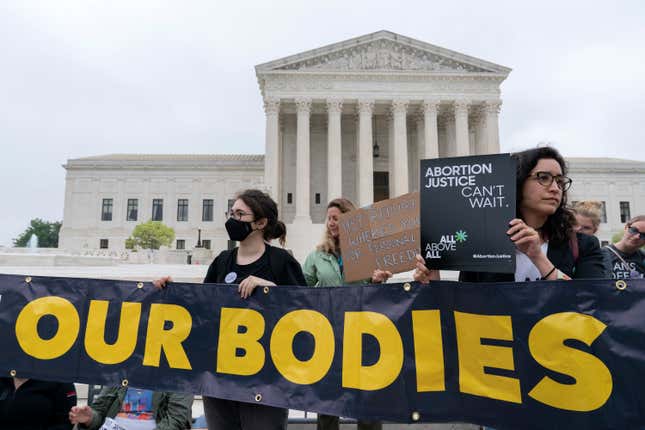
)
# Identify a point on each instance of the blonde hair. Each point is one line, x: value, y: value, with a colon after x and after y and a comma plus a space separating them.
x: 590, y: 209
x: 329, y: 244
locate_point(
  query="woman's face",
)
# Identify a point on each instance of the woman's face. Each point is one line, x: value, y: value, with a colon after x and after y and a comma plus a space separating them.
x: 538, y: 199
x: 241, y: 211
x: 633, y: 240
x: 333, y: 214
x: 585, y: 225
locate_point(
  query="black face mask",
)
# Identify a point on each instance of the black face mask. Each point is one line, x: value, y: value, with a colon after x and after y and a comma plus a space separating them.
x: 238, y: 230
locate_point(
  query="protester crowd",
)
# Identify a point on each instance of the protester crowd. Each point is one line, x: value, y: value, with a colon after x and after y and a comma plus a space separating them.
x: 552, y: 240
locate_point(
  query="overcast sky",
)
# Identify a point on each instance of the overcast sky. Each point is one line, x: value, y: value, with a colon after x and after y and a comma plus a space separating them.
x: 81, y: 78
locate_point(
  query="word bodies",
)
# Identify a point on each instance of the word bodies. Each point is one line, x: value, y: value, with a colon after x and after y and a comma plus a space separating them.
x: 245, y: 330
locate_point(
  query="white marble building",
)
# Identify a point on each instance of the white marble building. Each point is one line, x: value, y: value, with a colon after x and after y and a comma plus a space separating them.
x: 107, y: 196
x: 350, y: 119
x: 618, y: 184
x: 353, y: 118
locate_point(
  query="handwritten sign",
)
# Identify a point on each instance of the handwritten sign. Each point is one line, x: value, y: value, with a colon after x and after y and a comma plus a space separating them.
x: 466, y: 204
x: 383, y: 236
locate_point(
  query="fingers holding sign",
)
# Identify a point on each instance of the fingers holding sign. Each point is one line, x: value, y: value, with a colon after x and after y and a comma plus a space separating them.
x: 379, y: 276
x: 526, y: 238
x: 422, y: 273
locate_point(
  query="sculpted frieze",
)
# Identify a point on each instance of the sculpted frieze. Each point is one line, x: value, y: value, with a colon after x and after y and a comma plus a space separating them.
x: 383, y: 55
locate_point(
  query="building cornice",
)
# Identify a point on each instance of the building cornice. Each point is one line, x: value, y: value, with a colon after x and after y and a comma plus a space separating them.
x: 382, y: 35
x: 167, y: 162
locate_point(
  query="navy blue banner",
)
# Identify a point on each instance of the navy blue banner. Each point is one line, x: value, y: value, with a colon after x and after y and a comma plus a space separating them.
x: 567, y: 354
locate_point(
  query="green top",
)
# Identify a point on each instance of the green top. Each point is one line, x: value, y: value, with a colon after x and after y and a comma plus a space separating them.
x: 321, y: 269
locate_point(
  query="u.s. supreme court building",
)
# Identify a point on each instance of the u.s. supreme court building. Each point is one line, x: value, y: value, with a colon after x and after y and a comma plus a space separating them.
x: 351, y: 119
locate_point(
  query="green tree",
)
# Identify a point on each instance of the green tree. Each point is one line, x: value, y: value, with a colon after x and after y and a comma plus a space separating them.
x: 617, y: 236
x: 150, y: 235
x: 47, y: 233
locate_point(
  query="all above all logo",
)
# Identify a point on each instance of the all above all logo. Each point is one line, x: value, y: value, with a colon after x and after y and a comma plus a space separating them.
x: 461, y: 236
x: 447, y: 243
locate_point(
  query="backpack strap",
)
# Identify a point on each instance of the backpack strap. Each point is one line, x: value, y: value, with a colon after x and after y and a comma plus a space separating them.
x: 573, y: 244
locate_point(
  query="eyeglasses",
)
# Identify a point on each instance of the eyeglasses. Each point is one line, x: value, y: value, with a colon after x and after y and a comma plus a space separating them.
x: 238, y: 214
x: 634, y: 231
x: 546, y: 179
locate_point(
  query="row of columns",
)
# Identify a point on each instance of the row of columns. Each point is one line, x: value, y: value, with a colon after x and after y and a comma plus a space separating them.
x: 427, y: 135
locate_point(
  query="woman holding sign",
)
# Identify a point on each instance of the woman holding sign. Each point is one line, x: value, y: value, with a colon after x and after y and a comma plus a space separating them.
x: 324, y: 268
x: 253, y: 222
x: 547, y: 247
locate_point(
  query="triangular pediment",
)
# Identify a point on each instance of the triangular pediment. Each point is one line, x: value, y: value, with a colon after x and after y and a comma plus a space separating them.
x: 383, y: 51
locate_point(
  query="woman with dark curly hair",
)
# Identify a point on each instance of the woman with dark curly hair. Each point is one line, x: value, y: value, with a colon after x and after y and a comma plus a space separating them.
x: 547, y: 247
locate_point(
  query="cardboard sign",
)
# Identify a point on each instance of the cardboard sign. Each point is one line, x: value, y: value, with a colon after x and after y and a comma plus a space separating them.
x: 383, y: 236
x: 466, y: 204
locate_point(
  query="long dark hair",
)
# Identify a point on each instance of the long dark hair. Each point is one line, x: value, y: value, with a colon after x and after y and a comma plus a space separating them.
x: 558, y: 226
x: 263, y: 206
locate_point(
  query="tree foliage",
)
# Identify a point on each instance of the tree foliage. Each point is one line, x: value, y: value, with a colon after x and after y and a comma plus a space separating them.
x: 47, y: 233
x: 150, y: 235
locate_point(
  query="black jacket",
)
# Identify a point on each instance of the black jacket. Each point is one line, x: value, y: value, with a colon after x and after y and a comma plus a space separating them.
x: 285, y: 269
x: 588, y: 265
x: 36, y: 405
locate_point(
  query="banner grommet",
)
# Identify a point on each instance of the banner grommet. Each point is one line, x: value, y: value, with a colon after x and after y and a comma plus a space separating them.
x: 124, y: 383
x: 265, y: 290
x: 139, y: 285
x: 407, y: 286
x: 13, y: 373
x: 28, y: 279
x: 415, y: 416
x: 258, y: 397
x: 621, y: 285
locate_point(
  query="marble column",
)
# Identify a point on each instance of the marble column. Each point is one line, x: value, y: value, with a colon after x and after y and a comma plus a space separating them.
x: 421, y: 150
x: 431, y: 135
x: 365, y: 156
x: 492, y: 126
x: 272, y: 150
x: 334, y: 150
x: 303, y: 109
x: 480, y: 131
x: 389, y: 120
x: 399, y: 172
x: 462, y: 140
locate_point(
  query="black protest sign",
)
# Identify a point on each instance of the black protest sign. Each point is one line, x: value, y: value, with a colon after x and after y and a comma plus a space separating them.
x: 466, y: 204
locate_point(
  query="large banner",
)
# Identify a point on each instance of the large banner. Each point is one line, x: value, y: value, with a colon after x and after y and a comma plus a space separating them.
x: 510, y: 355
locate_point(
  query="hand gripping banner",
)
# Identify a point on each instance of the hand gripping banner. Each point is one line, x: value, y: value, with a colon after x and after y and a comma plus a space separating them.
x: 509, y: 355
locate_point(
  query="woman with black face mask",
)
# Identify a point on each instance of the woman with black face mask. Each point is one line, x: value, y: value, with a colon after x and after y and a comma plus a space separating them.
x: 253, y: 222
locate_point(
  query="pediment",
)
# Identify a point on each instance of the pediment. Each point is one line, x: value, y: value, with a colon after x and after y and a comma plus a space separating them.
x: 382, y: 52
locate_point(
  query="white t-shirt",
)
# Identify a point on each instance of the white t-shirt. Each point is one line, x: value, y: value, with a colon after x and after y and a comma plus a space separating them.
x: 525, y: 270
